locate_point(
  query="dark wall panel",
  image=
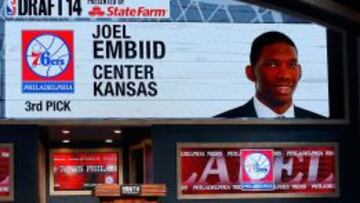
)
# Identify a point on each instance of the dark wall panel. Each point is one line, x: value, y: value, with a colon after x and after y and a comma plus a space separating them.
x: 24, y: 140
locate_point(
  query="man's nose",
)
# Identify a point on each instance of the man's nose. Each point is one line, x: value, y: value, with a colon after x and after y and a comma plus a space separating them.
x: 284, y: 72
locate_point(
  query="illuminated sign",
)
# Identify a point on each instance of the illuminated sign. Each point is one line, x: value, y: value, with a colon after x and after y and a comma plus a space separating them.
x: 132, y: 70
x: 6, y: 173
x: 257, y: 170
x: 81, y: 170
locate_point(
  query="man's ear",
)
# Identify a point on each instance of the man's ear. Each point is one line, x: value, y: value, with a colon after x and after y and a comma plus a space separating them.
x: 250, y: 72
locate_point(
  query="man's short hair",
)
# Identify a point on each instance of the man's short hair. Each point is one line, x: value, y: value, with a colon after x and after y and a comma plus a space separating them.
x: 266, y: 39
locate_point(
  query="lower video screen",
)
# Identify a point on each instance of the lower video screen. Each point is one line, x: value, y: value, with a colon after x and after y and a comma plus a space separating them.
x: 81, y: 170
x: 249, y: 170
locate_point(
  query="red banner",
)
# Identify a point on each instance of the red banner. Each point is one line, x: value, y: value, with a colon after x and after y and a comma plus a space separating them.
x: 83, y: 170
x: 5, y: 172
x: 261, y: 170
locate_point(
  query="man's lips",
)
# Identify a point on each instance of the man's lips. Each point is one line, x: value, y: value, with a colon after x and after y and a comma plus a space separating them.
x: 284, y: 89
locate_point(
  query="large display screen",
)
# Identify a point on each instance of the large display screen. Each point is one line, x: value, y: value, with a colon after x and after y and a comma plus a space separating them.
x: 78, y: 171
x: 132, y: 70
x: 164, y: 67
x: 250, y: 170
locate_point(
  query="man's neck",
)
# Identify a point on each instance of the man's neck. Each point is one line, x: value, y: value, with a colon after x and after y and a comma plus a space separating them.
x: 263, y: 111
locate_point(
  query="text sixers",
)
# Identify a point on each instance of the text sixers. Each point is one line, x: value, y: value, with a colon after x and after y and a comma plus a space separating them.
x: 45, y: 59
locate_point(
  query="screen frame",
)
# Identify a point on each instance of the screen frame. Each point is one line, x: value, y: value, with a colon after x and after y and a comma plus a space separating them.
x: 337, y: 87
x: 54, y: 192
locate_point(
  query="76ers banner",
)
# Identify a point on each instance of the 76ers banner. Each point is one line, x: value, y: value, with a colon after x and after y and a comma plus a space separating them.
x: 81, y: 170
x: 257, y: 170
x: 6, y: 173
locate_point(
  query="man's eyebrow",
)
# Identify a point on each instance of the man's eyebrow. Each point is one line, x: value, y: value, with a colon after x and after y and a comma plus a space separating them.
x: 293, y: 60
x: 279, y: 59
x: 271, y: 60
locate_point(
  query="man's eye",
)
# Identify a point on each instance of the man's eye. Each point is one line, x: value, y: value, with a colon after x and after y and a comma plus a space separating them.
x: 271, y: 64
x: 293, y: 65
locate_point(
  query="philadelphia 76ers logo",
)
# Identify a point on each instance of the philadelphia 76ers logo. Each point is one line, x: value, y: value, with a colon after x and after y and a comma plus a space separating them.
x: 257, y: 169
x: 47, y: 62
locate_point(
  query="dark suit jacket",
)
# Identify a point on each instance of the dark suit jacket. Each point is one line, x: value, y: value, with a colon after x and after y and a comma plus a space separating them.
x: 248, y: 110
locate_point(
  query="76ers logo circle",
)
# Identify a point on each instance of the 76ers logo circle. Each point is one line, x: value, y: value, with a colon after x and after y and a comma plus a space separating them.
x: 47, y: 55
x: 257, y: 166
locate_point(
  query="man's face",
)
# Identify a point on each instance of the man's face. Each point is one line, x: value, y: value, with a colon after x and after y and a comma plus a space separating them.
x: 276, y: 74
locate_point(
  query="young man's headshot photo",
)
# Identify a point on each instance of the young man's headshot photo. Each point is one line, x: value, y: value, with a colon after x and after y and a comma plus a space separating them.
x: 275, y: 71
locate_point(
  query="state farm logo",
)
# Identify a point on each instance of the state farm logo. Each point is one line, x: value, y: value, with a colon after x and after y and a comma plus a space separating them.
x: 119, y: 11
x: 96, y: 11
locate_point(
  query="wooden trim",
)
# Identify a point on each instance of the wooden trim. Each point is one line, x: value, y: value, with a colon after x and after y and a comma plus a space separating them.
x: 113, y: 190
x: 141, y: 145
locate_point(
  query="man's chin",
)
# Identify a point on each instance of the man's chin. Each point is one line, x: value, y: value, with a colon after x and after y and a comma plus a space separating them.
x: 282, y: 100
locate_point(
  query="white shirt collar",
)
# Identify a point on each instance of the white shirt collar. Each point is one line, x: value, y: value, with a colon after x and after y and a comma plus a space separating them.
x: 263, y: 111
